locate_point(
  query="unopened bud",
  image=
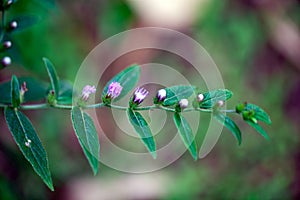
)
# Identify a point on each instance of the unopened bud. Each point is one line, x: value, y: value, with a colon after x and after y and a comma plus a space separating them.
x: 220, y: 103
x: 183, y: 103
x: 7, y: 44
x: 200, y: 97
x: 6, y: 61
x: 161, y: 95
x: 9, y: 2
x: 13, y: 24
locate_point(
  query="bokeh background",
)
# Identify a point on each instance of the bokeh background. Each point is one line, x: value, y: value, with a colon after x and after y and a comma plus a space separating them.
x: 255, y: 44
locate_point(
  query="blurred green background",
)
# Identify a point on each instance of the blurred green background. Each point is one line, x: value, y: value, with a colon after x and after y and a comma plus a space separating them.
x: 255, y: 44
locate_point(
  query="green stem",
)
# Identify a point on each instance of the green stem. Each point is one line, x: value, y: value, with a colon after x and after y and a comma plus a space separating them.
x: 100, y: 105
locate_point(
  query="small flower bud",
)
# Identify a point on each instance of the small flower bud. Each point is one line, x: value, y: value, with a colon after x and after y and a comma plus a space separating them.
x: 114, y: 90
x: 220, y: 103
x: 161, y: 95
x: 240, y: 107
x: 9, y: 2
x: 7, y: 44
x: 183, y: 103
x: 27, y: 143
x: 87, y: 91
x: 200, y: 97
x: 6, y: 61
x: 139, y: 95
x: 13, y: 25
x: 23, y: 89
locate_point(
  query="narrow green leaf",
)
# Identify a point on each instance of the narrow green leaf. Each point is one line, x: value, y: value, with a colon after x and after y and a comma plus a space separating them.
x: 259, y: 129
x: 228, y: 123
x: 29, y: 143
x: 15, y: 92
x: 260, y: 114
x: 53, y: 77
x: 176, y: 93
x: 36, y: 90
x: 186, y: 134
x: 212, y: 97
x: 127, y: 78
x: 141, y: 127
x: 87, y: 136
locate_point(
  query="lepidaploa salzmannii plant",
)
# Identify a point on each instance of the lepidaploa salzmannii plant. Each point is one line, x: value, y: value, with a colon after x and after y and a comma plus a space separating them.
x: 19, y: 93
x: 176, y: 99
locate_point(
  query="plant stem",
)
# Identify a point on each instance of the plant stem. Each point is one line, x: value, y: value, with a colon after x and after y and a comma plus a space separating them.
x: 100, y: 105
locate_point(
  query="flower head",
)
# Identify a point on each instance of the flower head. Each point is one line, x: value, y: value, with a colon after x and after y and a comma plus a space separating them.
x: 139, y: 95
x: 87, y: 91
x: 161, y: 95
x: 183, y: 103
x: 114, y: 90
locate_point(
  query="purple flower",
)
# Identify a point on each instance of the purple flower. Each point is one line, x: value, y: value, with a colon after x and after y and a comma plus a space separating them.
x: 114, y: 90
x: 87, y: 91
x: 161, y: 95
x: 139, y: 95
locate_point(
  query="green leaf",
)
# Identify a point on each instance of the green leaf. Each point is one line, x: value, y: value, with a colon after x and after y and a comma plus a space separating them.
x: 186, y: 134
x: 36, y: 90
x: 260, y: 114
x: 29, y: 143
x: 259, y: 129
x: 228, y: 123
x: 53, y: 77
x: 127, y: 78
x: 176, y: 93
x: 87, y: 136
x: 65, y: 92
x: 141, y: 127
x: 212, y: 97
x: 46, y: 3
x: 15, y: 92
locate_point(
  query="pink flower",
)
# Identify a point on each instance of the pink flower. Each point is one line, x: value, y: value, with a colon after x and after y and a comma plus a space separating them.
x: 87, y: 91
x: 114, y: 90
x: 139, y: 95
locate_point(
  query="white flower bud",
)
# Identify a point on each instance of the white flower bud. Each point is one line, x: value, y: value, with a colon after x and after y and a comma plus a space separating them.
x: 200, y: 97
x: 161, y: 95
x: 9, y: 2
x: 220, y: 103
x: 7, y: 44
x: 183, y: 103
x: 6, y: 61
x: 13, y: 24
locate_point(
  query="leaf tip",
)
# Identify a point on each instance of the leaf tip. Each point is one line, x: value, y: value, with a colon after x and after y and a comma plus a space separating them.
x: 154, y: 155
